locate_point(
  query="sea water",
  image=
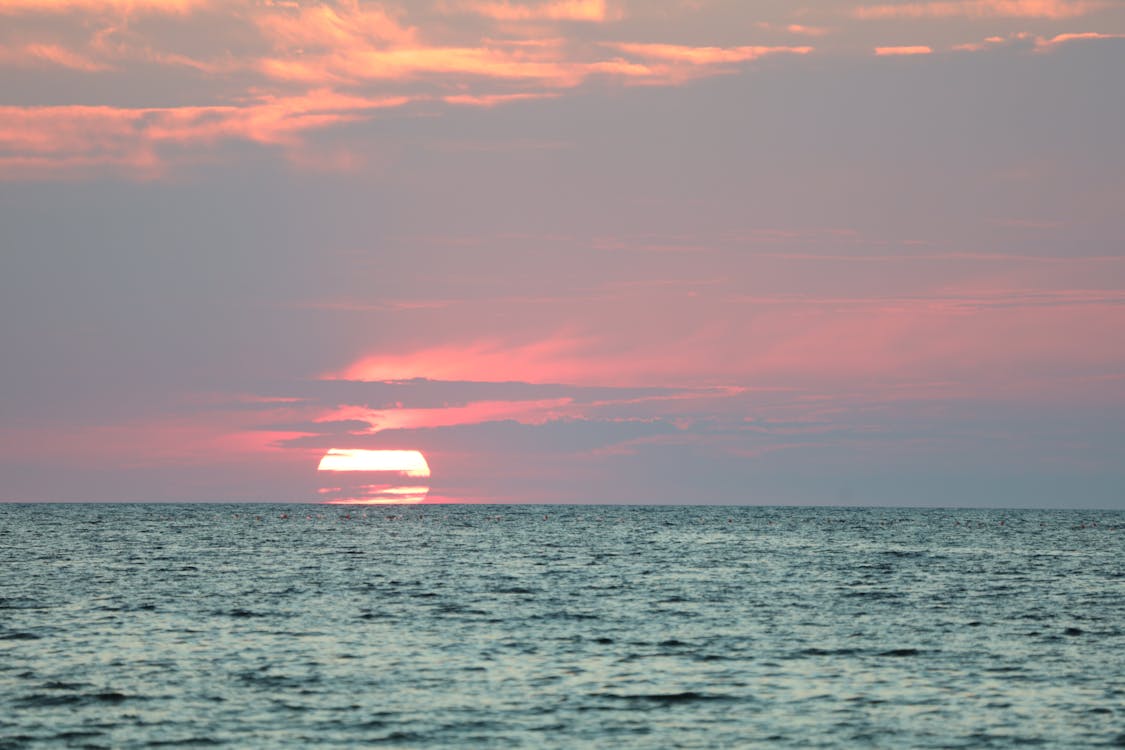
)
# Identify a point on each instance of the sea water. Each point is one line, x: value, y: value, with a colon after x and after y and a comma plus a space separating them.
x: 565, y: 626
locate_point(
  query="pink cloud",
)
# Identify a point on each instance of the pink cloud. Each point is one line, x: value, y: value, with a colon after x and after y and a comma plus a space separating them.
x: 525, y: 412
x: 556, y: 10
x: 1052, y: 9
x: 952, y: 336
x: 551, y: 360
x: 791, y: 339
x: 179, y: 7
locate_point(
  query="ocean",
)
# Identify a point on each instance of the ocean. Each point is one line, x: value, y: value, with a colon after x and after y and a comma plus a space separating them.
x: 273, y: 626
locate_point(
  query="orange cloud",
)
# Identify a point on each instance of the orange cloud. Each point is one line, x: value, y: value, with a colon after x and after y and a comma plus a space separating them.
x: 492, y: 100
x: 390, y: 53
x: 348, y: 44
x: 51, y: 54
x: 703, y: 55
x: 541, y: 65
x: 351, y: 43
x: 276, y: 46
x: 69, y: 138
x: 796, y: 28
x: 916, y: 50
x: 411, y: 62
x: 991, y: 41
x: 1044, y: 43
x: 104, y: 53
x: 1052, y: 9
x: 345, y: 26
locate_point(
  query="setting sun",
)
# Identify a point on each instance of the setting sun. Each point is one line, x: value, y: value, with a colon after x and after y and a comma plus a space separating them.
x: 374, y: 477
x: 410, y: 463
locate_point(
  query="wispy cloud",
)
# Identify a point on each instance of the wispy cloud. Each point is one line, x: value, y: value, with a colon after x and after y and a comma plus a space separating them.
x: 1086, y: 36
x: 702, y: 55
x: 51, y: 54
x: 14, y: 7
x: 1050, y: 9
x: 493, y: 100
x: 556, y: 359
x: 344, y: 27
x: 803, y: 30
x: 794, y: 28
x: 70, y: 139
x: 1041, y: 43
x: 554, y: 10
x: 252, y: 81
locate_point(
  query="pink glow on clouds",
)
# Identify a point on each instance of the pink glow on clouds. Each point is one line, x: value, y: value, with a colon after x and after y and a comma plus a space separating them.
x: 525, y: 412
x: 780, y: 338
x: 551, y: 360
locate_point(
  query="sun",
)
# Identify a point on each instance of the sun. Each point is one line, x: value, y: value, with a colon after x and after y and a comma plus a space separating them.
x: 374, y: 477
x: 411, y: 463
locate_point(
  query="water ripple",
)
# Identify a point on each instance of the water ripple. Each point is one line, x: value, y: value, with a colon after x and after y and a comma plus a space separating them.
x: 138, y: 626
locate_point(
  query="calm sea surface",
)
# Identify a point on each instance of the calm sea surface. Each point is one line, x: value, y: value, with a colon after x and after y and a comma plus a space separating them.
x: 578, y: 626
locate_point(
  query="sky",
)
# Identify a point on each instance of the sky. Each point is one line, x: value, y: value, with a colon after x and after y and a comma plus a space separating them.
x: 612, y: 251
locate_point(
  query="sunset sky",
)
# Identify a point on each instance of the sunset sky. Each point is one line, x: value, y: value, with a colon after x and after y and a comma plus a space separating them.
x: 615, y: 251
